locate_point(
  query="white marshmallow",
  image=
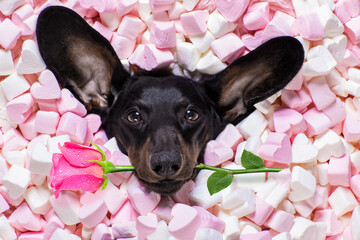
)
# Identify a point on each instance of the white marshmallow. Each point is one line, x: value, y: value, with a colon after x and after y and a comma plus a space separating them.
x: 282, y: 236
x: 66, y: 206
x: 144, y: 10
x: 239, y: 197
x: 322, y: 176
x: 253, y: 125
x: 342, y: 200
x: 14, y: 85
x: 354, y: 74
x: 303, y: 229
x: 40, y: 160
x: 111, y: 20
x: 303, y: 151
x: 61, y: 234
x: 305, y: 43
x: 200, y: 196
x: 7, y: 232
x: 218, y: 25
x: 5, y: 122
x: 336, y: 46
x: 272, y: 192
x: 303, y: 7
x: 15, y: 157
x: 30, y: 60
x: 331, y: 23
x: 187, y: 55
x: 190, y: 4
x: 207, y: 233
x: 287, y: 206
x: 329, y: 144
x: 355, y: 160
x: 111, y: 145
x: 53, y: 142
x: 176, y: 10
x: 16, y: 180
x: 355, y: 223
x: 352, y: 88
x: 210, y: 64
x: 161, y: 232
x: 3, y: 100
x: 202, y: 42
x: 334, y: 78
x: 232, y: 228
x: 38, y: 199
x: 8, y: 6
x: 6, y: 63
x: 249, y: 229
x: 303, y: 184
x: 320, y: 62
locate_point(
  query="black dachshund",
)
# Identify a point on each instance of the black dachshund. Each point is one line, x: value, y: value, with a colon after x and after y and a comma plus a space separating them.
x: 161, y: 121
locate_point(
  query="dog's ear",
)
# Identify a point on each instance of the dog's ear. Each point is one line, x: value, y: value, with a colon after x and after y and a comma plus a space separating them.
x: 81, y: 58
x: 255, y: 77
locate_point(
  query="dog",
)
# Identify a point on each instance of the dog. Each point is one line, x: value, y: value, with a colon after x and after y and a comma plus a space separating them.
x: 161, y: 121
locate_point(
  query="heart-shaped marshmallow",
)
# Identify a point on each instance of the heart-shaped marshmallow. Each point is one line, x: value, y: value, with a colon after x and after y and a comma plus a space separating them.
x: 47, y: 87
x: 231, y: 9
x: 302, y: 150
x: 30, y: 60
x: 277, y: 148
x: 289, y: 121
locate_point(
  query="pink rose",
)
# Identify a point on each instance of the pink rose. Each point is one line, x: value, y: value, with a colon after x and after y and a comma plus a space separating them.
x: 72, y: 169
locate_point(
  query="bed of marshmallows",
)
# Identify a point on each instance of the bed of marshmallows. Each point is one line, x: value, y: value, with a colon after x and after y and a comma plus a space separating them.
x: 311, y: 128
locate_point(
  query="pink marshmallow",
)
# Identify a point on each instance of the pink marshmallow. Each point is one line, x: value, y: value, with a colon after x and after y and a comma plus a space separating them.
x: 68, y: 103
x: 339, y: 171
x: 251, y: 42
x: 263, y: 235
x: 353, y: 30
x: 94, y: 123
x: 349, y: 60
x: 130, y: 27
x: 342, y: 11
x: 296, y: 83
x: 20, y: 108
x: 297, y: 100
x: 124, y: 6
x: 163, y: 34
x: 100, y: 138
x: 257, y: 16
x: 309, y: 27
x: 280, y: 221
x: 47, y: 87
x: 185, y: 222
x: 227, y: 46
x: 146, y: 225
x: 4, y: 206
x: 194, y: 23
x: 102, y: 232
x: 74, y: 126
x: 335, y: 112
x: 46, y: 122
x: 113, y: 197
x: 320, y: 92
x: 93, y: 210
x: 160, y: 5
x: 103, y: 30
x: 355, y: 185
x: 9, y: 34
x: 351, y: 129
x: 208, y: 220
x: 277, y: 148
x: 13, y: 141
x: 316, y: 121
x: 163, y: 209
x: 21, y: 14
x: 31, y: 236
x: 333, y: 225
x: 27, y: 128
x: 231, y: 9
x: 262, y: 211
x: 125, y: 214
x: 277, y: 27
x: 289, y: 121
x: 182, y: 196
x: 124, y: 230
x: 137, y: 57
x: 156, y: 58
x: 48, y: 105
x: 142, y: 200
x: 216, y: 153
x: 230, y: 137
x: 123, y: 46
x: 24, y: 219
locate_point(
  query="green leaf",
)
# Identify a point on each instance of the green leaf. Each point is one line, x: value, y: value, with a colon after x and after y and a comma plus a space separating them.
x: 251, y: 161
x: 218, y: 181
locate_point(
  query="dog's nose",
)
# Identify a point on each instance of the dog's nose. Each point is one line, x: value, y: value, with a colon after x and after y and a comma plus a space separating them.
x: 165, y: 164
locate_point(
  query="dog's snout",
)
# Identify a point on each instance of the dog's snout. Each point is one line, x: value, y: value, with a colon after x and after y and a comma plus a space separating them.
x: 166, y: 164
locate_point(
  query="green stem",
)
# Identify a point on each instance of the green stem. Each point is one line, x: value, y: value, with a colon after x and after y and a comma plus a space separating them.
x: 124, y: 168
x: 237, y: 171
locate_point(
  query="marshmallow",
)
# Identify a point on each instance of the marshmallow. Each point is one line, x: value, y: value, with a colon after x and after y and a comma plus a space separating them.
x: 272, y: 192
x: 210, y: 64
x: 185, y: 222
x: 253, y: 125
x: 61, y: 234
x: 47, y: 87
x: 207, y: 233
x: 221, y: 46
x: 202, y: 42
x: 339, y: 171
x: 40, y: 160
x: 20, y: 108
x: 240, y: 202
x: 15, y: 157
x: 111, y: 20
x: 331, y: 23
x: 262, y: 211
x: 176, y: 10
x: 7, y: 7
x: 277, y: 148
x: 163, y: 34
x: 297, y: 100
x: 215, y: 153
x: 92, y: 211
x: 333, y: 225
x: 200, y: 196
x: 316, y: 121
x: 231, y: 10
x: 351, y: 130
x: 6, y: 230
x: 4, y: 206
x: 187, y: 55
x: 124, y: 230
x: 280, y: 221
x: 131, y: 27
x: 277, y: 27
x: 320, y: 92
x: 161, y: 232
x: 14, y: 85
x: 30, y: 60
x: 302, y: 229
x: 349, y: 60
x: 218, y: 25
x: 68, y: 103
x: 303, y: 151
x: 112, y: 197
x: 72, y: 125
x: 320, y: 62
x: 13, y: 141
x: 257, y: 16
x: 342, y: 201
x: 24, y: 219
x: 46, y: 122
x: 288, y: 121
x: 38, y: 199
x: 66, y: 206
x: 194, y: 23
x: 9, y: 34
x: 16, y: 180
x: 352, y: 29
x: 329, y: 144
x: 7, y: 64
x: 156, y: 58
x: 303, y: 184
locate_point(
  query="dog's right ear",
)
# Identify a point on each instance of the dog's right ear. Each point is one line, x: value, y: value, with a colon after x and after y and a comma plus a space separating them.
x: 81, y: 58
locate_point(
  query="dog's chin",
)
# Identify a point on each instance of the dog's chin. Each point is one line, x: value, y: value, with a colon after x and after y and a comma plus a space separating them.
x: 166, y: 187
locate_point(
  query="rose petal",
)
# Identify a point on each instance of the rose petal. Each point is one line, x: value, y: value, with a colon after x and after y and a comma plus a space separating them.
x: 78, y: 155
x: 80, y: 182
x: 63, y: 170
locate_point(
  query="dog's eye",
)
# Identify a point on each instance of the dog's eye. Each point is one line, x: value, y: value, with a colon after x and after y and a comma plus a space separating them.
x: 191, y: 115
x: 134, y: 117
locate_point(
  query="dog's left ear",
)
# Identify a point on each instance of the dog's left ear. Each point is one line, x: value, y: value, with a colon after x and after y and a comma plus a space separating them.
x: 255, y: 77
x: 81, y: 58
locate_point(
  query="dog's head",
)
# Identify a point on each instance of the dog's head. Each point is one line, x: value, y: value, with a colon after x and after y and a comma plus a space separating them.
x: 162, y: 122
